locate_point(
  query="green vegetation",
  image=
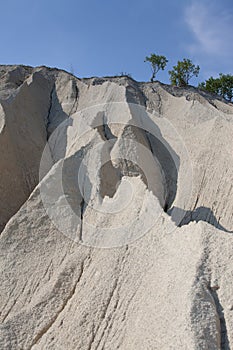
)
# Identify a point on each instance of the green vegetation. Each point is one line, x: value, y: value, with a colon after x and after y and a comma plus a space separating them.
x: 157, y: 62
x: 223, y: 86
x: 183, y: 72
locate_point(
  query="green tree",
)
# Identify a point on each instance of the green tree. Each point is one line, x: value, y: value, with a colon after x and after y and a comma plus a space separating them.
x: 226, y: 86
x: 212, y: 85
x: 223, y: 86
x: 183, y: 72
x: 156, y: 62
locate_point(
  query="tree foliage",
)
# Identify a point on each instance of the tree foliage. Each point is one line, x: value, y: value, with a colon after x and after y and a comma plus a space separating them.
x: 223, y: 86
x: 183, y: 72
x: 157, y: 62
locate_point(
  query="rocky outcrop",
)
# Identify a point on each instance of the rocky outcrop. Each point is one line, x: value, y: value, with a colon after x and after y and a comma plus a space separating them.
x: 117, y: 199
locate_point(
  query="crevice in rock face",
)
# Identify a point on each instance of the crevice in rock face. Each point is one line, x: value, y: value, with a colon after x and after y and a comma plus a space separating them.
x: 82, y: 209
x: 75, y: 96
x: 168, y: 167
x: 166, y: 207
x: 49, y: 110
x: 220, y: 311
x: 107, y: 132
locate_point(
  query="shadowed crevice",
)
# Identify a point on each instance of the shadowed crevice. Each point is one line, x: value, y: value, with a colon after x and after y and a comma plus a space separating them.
x: 225, y: 345
x: 183, y: 217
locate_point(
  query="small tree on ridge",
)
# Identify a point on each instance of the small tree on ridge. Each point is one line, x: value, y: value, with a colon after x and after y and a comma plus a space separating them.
x: 157, y: 62
x: 183, y: 72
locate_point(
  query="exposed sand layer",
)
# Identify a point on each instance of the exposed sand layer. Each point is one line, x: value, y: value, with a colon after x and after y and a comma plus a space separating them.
x: 116, y: 214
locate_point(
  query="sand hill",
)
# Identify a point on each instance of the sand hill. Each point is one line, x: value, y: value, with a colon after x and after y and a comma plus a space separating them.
x: 116, y: 214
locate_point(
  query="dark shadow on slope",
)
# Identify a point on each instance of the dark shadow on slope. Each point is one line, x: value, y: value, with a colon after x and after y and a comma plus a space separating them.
x: 225, y: 345
x: 183, y: 217
x: 160, y: 148
x: 165, y: 157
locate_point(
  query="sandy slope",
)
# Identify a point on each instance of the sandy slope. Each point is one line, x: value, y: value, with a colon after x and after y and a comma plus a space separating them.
x: 127, y: 242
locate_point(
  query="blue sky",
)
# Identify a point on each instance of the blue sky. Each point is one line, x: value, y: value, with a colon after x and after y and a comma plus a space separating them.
x: 107, y: 37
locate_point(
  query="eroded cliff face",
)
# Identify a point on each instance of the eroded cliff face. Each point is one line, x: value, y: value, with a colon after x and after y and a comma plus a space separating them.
x: 117, y: 202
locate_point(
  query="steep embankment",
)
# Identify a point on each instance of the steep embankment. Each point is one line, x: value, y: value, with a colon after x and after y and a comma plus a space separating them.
x: 125, y: 241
